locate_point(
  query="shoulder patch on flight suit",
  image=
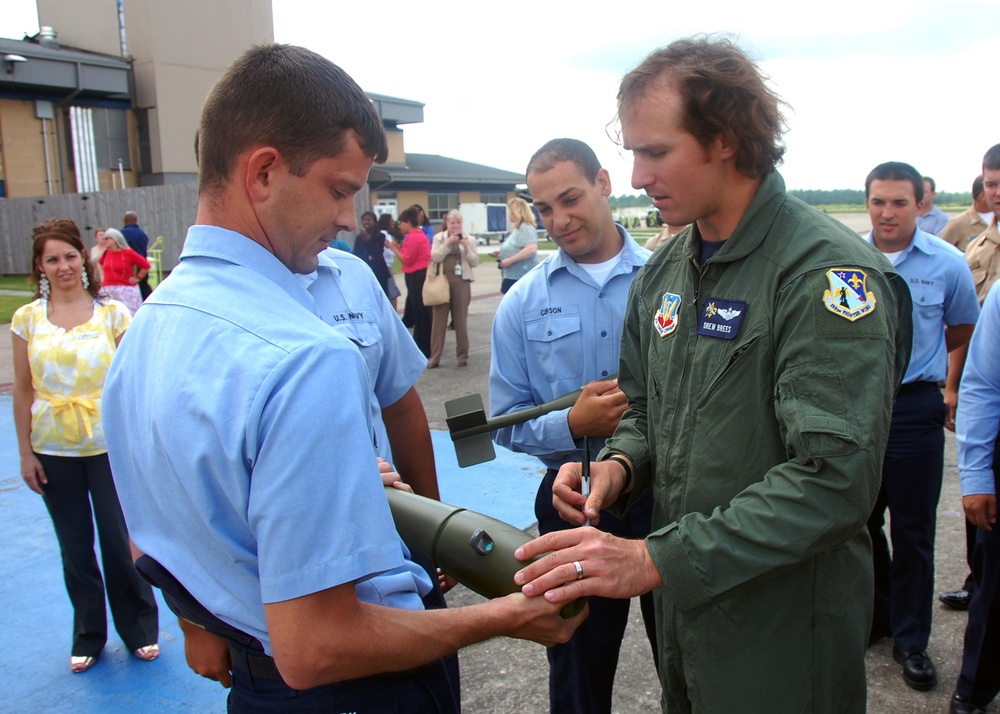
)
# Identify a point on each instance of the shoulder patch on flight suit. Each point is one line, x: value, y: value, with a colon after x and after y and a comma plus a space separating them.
x: 848, y: 296
x: 665, y: 319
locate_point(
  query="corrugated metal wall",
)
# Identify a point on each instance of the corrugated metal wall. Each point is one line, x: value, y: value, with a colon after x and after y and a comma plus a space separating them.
x: 163, y: 211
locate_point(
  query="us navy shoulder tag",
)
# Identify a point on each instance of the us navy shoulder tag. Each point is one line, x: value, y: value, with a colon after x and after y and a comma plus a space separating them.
x: 721, y: 318
x: 848, y: 295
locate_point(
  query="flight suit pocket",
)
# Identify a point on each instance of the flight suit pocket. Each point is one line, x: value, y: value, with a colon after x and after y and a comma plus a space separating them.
x: 813, y: 404
x: 557, y: 343
x: 731, y: 358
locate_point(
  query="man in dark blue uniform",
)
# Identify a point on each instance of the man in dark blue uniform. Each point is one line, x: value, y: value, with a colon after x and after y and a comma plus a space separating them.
x: 945, y: 309
x: 139, y: 242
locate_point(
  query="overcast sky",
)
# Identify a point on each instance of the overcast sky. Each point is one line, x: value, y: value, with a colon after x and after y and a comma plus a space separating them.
x: 868, y: 81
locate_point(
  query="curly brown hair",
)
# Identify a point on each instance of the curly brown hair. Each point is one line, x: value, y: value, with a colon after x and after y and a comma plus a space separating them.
x: 67, y: 232
x: 725, y: 95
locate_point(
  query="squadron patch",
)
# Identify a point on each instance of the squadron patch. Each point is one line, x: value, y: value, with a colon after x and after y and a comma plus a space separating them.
x: 848, y: 295
x: 665, y: 320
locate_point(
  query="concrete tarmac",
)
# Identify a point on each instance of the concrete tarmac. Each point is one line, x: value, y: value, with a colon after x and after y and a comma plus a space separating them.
x: 503, y: 676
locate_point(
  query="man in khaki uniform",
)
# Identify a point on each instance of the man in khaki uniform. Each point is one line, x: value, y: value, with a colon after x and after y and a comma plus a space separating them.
x: 983, y: 253
x: 971, y: 222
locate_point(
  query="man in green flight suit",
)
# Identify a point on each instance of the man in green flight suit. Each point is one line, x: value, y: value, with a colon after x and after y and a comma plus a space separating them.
x: 760, y: 355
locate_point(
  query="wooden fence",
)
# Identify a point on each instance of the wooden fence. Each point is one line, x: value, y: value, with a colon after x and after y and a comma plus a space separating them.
x: 163, y: 211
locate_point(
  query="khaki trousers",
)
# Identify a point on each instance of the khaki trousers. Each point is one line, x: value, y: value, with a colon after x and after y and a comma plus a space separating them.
x: 458, y: 306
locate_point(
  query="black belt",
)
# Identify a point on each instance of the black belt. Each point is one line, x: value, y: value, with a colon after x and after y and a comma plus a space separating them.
x: 258, y: 666
x: 917, y: 388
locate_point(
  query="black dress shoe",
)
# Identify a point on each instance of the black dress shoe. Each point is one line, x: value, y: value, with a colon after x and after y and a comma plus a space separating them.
x: 960, y: 706
x: 918, y: 670
x: 956, y: 599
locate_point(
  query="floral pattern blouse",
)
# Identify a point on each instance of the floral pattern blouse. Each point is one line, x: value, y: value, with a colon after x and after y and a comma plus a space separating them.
x: 68, y: 368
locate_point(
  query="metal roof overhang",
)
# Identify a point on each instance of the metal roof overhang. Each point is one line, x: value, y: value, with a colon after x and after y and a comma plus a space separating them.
x: 62, y: 75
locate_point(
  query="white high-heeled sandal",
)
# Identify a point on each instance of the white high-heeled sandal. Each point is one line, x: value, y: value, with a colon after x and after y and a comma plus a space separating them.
x: 148, y: 653
x: 81, y: 664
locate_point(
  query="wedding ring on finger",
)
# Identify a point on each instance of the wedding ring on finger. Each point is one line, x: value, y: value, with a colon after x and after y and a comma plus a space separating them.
x: 579, y: 569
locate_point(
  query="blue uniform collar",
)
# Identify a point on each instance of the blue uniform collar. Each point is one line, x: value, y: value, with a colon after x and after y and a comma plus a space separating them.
x: 633, y: 257
x: 921, y: 241
x: 232, y: 247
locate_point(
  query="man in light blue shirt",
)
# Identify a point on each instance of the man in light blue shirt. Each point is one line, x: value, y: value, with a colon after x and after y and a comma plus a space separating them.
x: 945, y: 309
x: 559, y: 329
x: 976, y: 432
x: 930, y: 218
x: 244, y: 447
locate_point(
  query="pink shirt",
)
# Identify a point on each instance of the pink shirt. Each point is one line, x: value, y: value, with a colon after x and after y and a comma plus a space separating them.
x: 416, y: 251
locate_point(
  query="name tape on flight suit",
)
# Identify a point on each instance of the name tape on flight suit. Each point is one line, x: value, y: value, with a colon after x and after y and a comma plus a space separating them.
x: 722, y: 318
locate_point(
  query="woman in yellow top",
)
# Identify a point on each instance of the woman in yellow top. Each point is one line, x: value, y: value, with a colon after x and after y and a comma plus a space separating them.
x: 63, y: 344
x: 454, y: 253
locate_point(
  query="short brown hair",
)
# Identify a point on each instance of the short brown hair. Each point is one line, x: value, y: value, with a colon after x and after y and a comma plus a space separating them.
x: 991, y: 161
x: 66, y: 231
x: 896, y: 171
x: 287, y: 97
x: 558, y: 150
x: 724, y: 93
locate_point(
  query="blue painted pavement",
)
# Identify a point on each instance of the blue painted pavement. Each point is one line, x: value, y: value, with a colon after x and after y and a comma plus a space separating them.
x: 35, y: 642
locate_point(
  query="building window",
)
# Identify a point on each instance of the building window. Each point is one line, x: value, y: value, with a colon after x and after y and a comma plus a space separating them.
x: 493, y: 197
x: 111, y: 139
x: 98, y: 139
x: 438, y: 205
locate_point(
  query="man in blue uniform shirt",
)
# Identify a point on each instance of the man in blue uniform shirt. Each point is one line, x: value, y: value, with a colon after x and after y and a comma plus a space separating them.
x: 945, y: 309
x: 348, y: 298
x: 976, y: 436
x: 559, y: 329
x: 139, y: 242
x: 237, y: 469
x: 930, y: 218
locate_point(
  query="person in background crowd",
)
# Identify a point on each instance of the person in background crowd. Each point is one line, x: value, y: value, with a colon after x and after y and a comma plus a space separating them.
x: 931, y: 219
x: 415, y: 256
x: 369, y: 245
x: 945, y: 310
x: 123, y: 270
x: 423, y: 222
x: 979, y: 467
x: 96, y: 252
x: 976, y: 435
x: 455, y: 254
x: 663, y: 236
x: 519, y: 251
x: 983, y: 252
x: 139, y: 242
x: 390, y: 252
x: 983, y: 257
x: 971, y: 222
x: 63, y: 342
